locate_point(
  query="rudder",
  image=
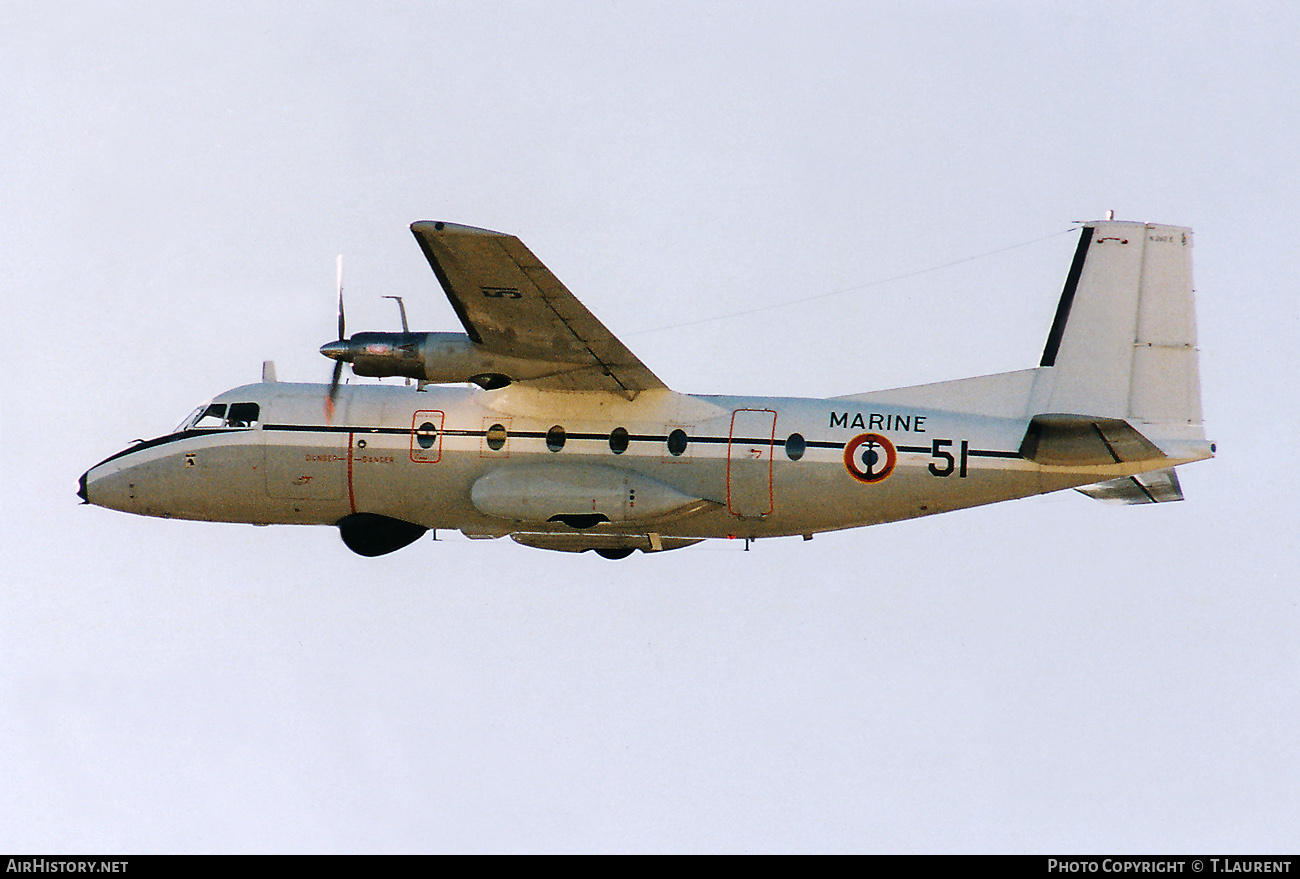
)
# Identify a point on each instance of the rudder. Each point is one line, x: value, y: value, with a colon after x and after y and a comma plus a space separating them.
x: 1123, y: 342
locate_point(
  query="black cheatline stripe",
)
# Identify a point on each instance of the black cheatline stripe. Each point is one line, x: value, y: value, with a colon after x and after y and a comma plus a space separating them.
x: 529, y: 434
x: 304, y: 428
x: 171, y: 438
x: 149, y: 444
x: 1067, y: 299
x: 990, y: 453
x: 330, y: 428
x: 539, y: 434
x: 972, y: 453
x: 449, y: 431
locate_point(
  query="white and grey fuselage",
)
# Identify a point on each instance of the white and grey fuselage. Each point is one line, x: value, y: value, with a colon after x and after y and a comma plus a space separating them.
x: 514, y: 460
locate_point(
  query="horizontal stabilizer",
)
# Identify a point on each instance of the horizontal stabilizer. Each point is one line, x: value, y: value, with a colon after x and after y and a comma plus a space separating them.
x: 1156, y: 487
x: 1081, y: 440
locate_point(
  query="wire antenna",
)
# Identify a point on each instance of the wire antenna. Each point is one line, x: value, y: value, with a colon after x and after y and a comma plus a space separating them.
x: 855, y: 288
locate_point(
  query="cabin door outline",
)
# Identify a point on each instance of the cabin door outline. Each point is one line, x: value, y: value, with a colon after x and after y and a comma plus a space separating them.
x: 749, y: 463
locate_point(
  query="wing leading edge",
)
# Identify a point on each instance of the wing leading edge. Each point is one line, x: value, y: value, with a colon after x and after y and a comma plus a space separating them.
x: 512, y: 305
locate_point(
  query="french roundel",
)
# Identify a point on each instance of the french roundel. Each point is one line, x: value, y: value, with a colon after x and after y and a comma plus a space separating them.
x: 870, y: 457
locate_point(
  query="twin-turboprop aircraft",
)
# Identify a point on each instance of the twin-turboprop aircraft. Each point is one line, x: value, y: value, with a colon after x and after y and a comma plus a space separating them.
x: 571, y: 443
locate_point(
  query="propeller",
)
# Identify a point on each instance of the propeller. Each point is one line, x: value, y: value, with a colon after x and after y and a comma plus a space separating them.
x: 372, y: 354
x: 341, y: 343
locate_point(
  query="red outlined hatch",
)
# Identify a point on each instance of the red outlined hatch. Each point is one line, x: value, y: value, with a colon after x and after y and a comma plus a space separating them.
x: 426, y: 436
x: 749, y: 463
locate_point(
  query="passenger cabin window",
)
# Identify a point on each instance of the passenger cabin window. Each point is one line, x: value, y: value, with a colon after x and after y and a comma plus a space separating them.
x: 618, y: 439
x: 795, y: 446
x: 426, y: 435
x: 677, y: 442
x: 555, y: 438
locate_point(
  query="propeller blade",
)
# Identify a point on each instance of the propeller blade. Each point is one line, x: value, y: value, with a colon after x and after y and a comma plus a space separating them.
x: 334, y: 390
x: 335, y: 346
x: 340, y: 289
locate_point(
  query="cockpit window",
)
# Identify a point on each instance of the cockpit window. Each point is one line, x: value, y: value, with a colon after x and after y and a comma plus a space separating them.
x: 242, y: 415
x: 213, y: 416
x: 189, y: 420
x: 218, y: 415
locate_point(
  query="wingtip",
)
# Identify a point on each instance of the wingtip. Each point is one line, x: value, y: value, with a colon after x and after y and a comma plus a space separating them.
x: 443, y: 227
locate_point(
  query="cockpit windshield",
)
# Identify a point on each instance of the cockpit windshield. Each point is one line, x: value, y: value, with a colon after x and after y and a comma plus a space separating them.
x: 189, y: 419
x: 221, y: 415
x: 213, y: 416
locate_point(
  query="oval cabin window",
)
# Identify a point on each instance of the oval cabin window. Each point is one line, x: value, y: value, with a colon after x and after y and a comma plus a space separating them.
x: 795, y: 446
x: 426, y: 435
x: 677, y: 442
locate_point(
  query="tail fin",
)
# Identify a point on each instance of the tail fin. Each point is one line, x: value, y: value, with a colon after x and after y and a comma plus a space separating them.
x: 1119, y: 380
x: 1123, y: 344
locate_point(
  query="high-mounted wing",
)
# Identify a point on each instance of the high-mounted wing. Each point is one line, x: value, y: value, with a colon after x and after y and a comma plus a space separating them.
x: 511, y: 304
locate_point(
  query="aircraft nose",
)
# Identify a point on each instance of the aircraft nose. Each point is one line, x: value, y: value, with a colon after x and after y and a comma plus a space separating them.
x: 81, y: 489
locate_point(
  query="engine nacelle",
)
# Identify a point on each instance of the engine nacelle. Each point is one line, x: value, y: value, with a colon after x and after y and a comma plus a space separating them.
x: 438, y: 358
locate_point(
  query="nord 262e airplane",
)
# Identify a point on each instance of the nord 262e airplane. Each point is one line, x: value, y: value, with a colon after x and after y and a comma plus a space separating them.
x: 571, y: 443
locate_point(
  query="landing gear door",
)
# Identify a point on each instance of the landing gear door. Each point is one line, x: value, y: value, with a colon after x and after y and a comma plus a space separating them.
x: 749, y: 463
x: 426, y: 436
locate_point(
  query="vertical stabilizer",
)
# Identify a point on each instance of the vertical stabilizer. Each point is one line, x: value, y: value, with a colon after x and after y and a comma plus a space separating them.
x: 1123, y: 343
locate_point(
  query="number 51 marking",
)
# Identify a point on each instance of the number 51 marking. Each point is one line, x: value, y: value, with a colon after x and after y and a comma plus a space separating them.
x: 949, y: 462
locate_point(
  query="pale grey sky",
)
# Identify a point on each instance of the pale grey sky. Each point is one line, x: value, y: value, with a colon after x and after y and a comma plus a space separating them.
x: 1051, y: 675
